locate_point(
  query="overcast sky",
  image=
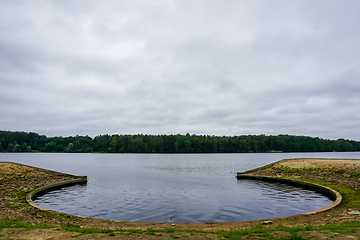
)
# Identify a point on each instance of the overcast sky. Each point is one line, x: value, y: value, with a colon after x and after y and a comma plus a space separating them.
x: 226, y: 67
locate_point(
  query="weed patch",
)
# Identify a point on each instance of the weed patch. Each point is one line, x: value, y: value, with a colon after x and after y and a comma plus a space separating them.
x: 79, y: 229
x: 5, y: 223
x: 266, y: 233
x: 258, y: 231
x: 351, y: 197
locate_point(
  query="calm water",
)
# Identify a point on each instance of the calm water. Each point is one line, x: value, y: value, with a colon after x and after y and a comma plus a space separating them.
x: 173, y: 187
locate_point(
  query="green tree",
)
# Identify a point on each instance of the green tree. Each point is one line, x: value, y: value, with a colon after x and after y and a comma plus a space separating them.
x: 17, y: 148
x: 70, y: 148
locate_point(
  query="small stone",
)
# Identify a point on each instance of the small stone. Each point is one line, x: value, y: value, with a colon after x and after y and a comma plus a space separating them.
x: 172, y: 224
x: 354, y: 213
x: 267, y: 222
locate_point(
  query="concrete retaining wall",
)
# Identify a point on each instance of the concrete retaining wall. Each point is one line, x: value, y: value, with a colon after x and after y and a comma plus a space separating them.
x: 42, y: 190
x: 331, y: 193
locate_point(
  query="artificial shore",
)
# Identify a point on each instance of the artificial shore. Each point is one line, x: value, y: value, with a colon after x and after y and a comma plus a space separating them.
x: 20, y: 183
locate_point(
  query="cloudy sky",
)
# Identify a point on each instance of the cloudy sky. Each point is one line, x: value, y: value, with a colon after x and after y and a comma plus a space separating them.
x: 228, y: 67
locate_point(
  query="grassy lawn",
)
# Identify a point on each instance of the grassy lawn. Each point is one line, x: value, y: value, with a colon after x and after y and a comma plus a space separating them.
x: 328, y: 231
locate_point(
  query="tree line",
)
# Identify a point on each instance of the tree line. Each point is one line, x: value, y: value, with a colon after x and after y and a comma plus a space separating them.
x: 33, y: 142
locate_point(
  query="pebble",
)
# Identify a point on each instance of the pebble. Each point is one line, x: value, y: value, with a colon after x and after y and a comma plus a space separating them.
x: 267, y: 222
x: 354, y: 213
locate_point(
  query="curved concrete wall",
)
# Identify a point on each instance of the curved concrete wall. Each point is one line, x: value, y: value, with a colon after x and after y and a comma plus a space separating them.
x: 42, y: 190
x: 331, y: 193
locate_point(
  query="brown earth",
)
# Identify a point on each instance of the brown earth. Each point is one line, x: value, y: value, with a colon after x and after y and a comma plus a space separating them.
x: 335, y: 171
x: 17, y: 180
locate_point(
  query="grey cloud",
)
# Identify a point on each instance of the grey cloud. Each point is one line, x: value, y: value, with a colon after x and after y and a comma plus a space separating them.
x: 204, y: 67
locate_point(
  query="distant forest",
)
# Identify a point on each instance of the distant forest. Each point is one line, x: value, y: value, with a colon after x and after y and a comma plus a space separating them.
x: 33, y: 142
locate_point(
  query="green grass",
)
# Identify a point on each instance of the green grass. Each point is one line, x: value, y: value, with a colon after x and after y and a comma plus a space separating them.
x: 355, y: 175
x: 17, y: 200
x: 350, y: 196
x: 258, y: 231
x: 304, y: 170
x: 6, y: 223
x: 79, y: 229
x: 269, y: 166
x: 327, y: 171
x: 265, y: 232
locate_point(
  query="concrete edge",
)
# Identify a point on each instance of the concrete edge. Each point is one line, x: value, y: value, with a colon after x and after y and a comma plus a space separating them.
x: 333, y: 194
x: 329, y: 192
x: 40, y: 191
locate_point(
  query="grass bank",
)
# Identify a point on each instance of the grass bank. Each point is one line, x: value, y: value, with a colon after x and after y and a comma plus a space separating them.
x: 328, y: 231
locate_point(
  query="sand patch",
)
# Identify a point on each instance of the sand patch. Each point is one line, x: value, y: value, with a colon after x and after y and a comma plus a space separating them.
x: 320, y: 163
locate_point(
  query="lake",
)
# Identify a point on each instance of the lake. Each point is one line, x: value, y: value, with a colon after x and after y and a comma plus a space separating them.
x: 175, y: 188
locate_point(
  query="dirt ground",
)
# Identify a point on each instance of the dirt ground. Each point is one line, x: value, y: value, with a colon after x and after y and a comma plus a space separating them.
x: 19, y: 233
x: 322, y: 163
x: 17, y: 180
x: 336, y: 171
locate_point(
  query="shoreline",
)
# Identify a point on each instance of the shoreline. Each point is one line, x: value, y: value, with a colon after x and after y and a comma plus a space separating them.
x: 18, y: 180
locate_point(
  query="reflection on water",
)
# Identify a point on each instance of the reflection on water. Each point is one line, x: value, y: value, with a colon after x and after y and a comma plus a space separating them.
x: 173, y: 187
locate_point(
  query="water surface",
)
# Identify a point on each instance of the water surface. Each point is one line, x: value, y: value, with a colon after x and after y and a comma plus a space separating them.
x: 173, y: 187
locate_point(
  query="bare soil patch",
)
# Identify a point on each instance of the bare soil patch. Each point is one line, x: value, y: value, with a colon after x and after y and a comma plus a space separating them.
x: 321, y: 163
x: 337, y: 171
